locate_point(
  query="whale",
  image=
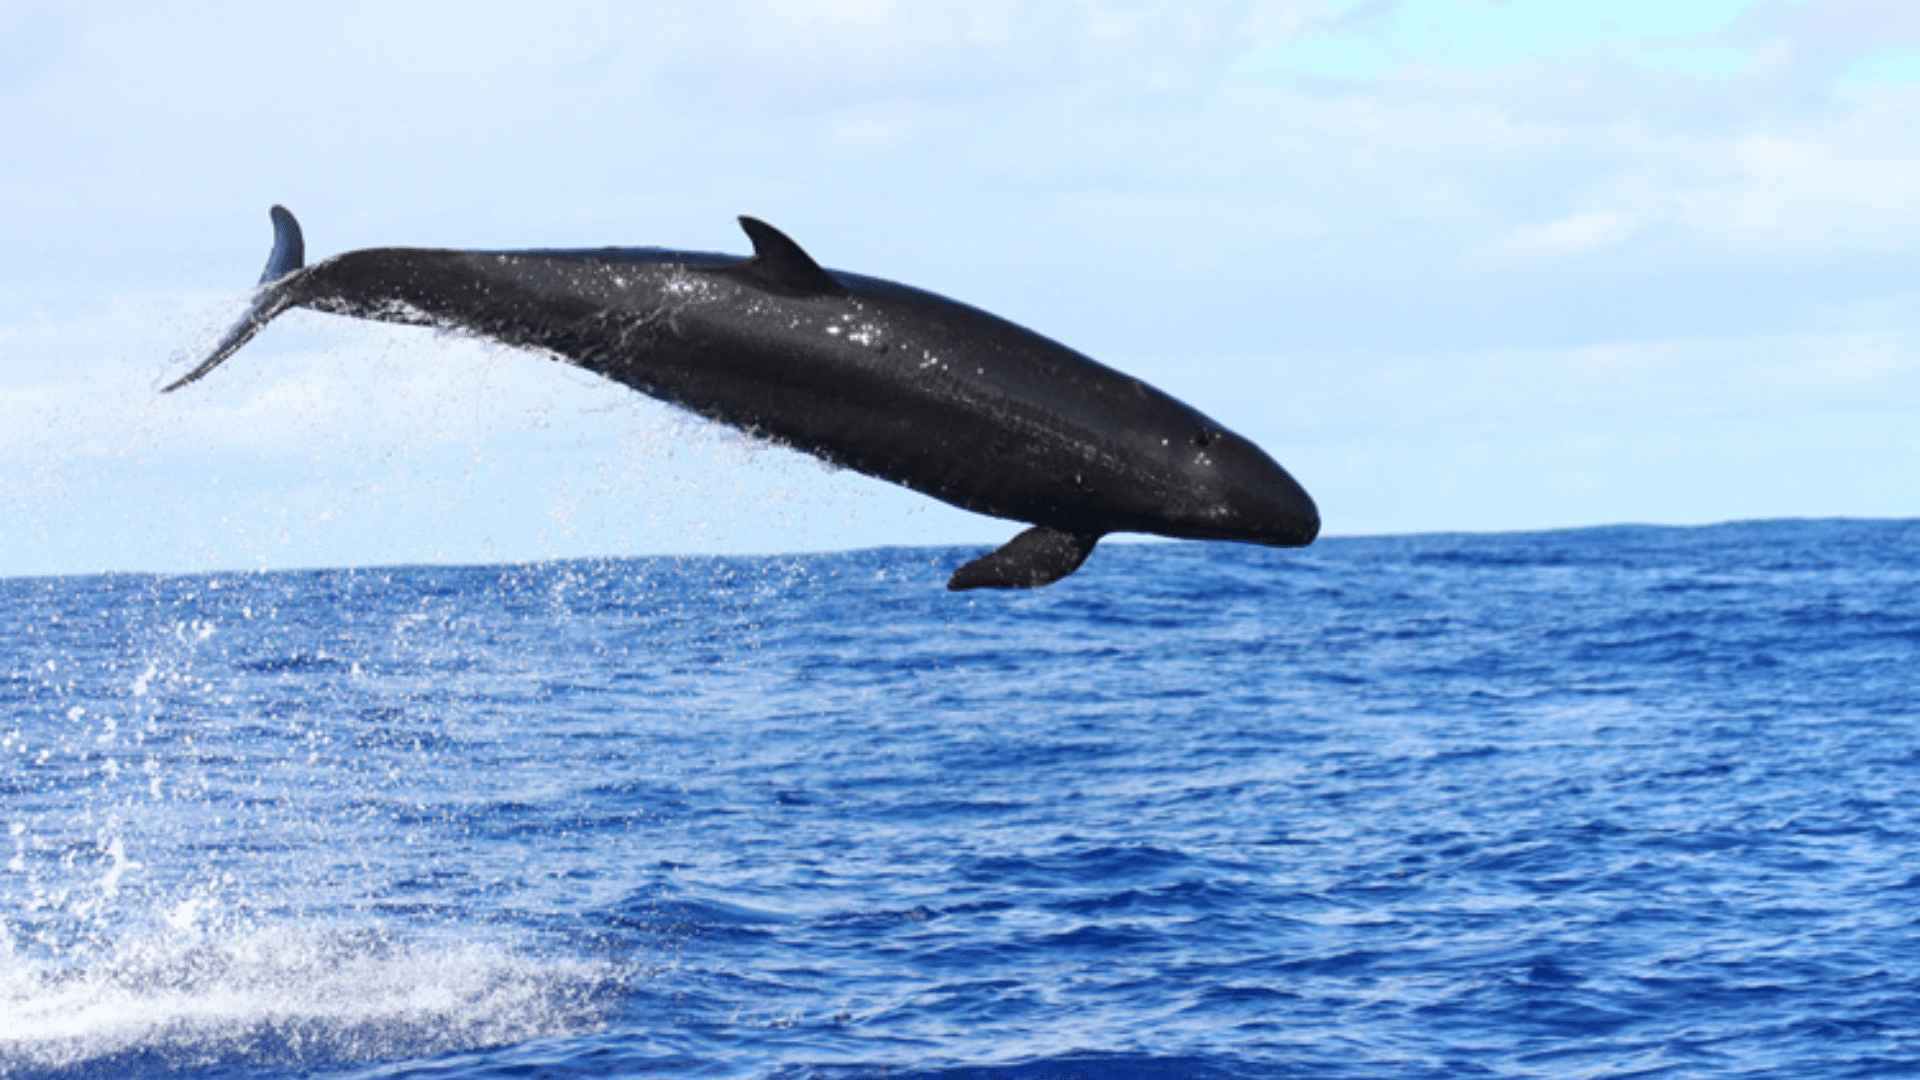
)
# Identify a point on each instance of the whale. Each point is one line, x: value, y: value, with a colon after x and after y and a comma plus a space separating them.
x: 864, y: 373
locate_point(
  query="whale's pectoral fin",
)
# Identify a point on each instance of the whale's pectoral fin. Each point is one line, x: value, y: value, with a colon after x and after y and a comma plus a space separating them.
x: 1039, y: 556
x: 781, y: 266
x: 274, y: 296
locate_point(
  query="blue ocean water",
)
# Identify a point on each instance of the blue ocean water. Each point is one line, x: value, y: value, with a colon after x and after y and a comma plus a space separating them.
x: 1596, y: 803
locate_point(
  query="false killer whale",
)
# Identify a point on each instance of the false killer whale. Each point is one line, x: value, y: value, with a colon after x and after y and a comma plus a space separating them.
x: 867, y: 374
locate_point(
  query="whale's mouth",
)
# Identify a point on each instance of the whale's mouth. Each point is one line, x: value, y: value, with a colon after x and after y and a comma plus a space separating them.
x: 1276, y: 512
x: 1297, y: 534
x: 1230, y: 489
x: 1294, y: 534
x: 1293, y: 527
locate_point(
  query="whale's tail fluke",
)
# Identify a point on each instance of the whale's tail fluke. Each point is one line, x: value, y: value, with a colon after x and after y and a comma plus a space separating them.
x: 274, y: 296
x: 289, y: 247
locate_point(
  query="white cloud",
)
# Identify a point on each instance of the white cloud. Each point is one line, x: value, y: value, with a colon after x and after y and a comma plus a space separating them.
x: 1471, y: 256
x: 1577, y: 234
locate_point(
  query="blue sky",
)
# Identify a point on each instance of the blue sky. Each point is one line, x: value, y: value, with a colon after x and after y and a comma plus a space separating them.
x: 1459, y: 264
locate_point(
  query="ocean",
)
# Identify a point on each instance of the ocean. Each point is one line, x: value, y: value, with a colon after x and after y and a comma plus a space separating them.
x: 1609, y: 802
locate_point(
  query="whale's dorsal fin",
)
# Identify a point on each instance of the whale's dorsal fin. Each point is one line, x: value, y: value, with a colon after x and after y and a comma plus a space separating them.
x: 779, y: 265
x: 1039, y: 556
x: 289, y: 249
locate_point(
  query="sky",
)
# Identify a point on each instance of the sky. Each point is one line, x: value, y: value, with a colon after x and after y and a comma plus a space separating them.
x: 1458, y: 264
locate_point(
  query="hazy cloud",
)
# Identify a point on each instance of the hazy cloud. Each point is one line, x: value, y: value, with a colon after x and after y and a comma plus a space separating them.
x: 1463, y: 233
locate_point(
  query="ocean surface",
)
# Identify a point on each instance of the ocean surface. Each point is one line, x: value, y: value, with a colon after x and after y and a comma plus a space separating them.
x: 1595, y: 803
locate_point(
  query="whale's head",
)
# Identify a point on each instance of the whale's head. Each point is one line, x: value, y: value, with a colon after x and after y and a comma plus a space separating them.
x: 1234, y: 491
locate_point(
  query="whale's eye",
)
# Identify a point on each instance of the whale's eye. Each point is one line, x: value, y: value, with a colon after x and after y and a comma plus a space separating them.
x: 1202, y: 437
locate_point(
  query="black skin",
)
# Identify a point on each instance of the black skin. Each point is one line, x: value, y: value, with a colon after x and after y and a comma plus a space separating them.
x: 867, y: 374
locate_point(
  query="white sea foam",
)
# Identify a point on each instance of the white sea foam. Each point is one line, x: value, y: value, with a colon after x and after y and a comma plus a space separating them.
x: 286, y: 996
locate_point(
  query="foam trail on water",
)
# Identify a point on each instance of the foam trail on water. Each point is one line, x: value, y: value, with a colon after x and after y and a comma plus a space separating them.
x: 286, y: 996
